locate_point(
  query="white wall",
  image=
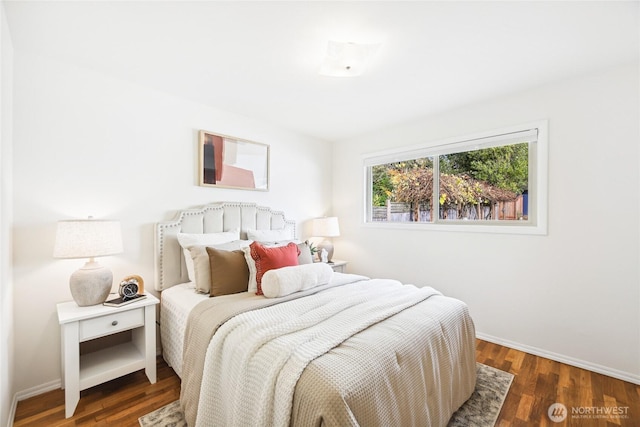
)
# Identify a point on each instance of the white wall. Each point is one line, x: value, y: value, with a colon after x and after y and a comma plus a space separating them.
x: 6, y: 284
x: 89, y: 144
x: 573, y: 294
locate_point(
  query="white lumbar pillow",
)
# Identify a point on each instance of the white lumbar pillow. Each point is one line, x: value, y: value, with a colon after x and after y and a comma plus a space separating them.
x: 287, y: 280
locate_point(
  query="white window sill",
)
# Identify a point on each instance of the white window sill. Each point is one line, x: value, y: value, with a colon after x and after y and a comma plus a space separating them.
x: 497, y: 227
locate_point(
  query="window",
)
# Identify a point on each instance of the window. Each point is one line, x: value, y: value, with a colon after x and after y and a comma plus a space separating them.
x: 493, y: 182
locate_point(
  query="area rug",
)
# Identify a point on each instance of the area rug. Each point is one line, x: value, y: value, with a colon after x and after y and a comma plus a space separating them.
x: 483, y: 407
x: 481, y: 410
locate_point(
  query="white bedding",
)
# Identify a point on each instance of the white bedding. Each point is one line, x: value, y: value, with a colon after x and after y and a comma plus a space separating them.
x: 382, y: 375
x: 176, y: 304
x: 270, y: 350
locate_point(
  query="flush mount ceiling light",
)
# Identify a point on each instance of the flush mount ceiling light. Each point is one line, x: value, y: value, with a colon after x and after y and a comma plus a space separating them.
x: 347, y: 59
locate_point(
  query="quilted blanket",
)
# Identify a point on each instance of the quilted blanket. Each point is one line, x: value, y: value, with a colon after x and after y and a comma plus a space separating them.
x: 372, y: 352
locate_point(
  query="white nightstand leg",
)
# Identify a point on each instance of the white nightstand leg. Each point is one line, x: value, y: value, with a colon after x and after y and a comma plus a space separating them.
x: 150, y: 342
x: 145, y: 341
x: 71, y: 371
x: 63, y: 360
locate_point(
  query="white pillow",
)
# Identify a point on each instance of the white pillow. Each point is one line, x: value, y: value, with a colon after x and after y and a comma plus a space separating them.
x: 287, y: 280
x: 253, y: 271
x: 187, y: 240
x: 269, y: 235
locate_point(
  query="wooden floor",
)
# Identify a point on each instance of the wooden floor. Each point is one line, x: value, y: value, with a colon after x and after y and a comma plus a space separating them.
x: 538, y: 383
x: 116, y: 403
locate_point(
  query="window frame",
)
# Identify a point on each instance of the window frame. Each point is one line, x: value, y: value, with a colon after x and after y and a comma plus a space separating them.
x: 538, y: 181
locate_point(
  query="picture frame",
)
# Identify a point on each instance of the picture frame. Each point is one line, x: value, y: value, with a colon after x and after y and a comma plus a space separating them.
x: 230, y: 162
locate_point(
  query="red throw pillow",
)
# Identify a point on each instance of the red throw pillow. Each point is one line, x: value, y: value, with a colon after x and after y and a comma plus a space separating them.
x: 270, y: 258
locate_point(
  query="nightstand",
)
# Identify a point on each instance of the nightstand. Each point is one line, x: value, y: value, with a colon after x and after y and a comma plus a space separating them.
x: 79, y: 324
x: 339, y: 266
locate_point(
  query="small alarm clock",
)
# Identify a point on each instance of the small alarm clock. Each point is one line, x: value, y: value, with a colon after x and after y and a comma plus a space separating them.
x: 128, y: 289
x: 130, y: 286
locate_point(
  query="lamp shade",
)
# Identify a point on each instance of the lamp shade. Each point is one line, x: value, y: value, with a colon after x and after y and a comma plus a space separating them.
x: 87, y: 238
x: 326, y: 227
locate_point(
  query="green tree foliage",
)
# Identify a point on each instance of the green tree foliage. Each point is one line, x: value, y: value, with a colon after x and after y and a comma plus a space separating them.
x: 505, y: 167
x: 382, y: 186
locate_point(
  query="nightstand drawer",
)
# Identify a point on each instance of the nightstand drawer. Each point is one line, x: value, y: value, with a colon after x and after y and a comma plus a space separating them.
x: 111, y: 323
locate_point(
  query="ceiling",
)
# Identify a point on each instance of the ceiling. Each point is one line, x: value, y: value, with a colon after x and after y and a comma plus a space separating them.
x: 261, y: 59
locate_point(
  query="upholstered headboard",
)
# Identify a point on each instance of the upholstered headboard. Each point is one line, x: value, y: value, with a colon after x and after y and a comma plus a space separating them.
x: 170, y: 268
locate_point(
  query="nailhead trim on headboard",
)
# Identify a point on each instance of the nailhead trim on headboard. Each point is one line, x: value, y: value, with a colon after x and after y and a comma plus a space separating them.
x: 221, y: 216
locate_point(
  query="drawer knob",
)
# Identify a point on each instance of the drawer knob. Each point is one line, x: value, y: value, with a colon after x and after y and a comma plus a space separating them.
x: 114, y: 323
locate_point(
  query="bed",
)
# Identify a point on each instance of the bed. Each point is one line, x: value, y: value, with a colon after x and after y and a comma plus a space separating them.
x: 326, y: 348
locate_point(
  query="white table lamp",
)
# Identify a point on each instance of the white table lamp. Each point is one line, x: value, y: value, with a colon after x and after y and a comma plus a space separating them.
x: 89, y: 238
x: 326, y: 227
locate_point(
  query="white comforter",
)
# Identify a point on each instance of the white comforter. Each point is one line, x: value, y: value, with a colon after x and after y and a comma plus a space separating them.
x: 367, y: 353
x: 255, y: 359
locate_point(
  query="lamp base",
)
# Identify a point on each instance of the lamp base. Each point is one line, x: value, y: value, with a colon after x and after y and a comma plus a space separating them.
x: 328, y: 246
x: 91, y: 284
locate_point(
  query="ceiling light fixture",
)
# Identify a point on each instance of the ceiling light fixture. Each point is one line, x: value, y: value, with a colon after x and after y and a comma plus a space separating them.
x: 347, y: 59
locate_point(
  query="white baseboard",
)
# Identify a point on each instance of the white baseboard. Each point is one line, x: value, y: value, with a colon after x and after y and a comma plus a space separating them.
x: 621, y: 375
x: 30, y: 392
x: 12, y: 411
x: 34, y: 391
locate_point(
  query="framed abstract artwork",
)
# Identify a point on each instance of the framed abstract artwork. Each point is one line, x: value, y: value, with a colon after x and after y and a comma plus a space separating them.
x: 229, y: 162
